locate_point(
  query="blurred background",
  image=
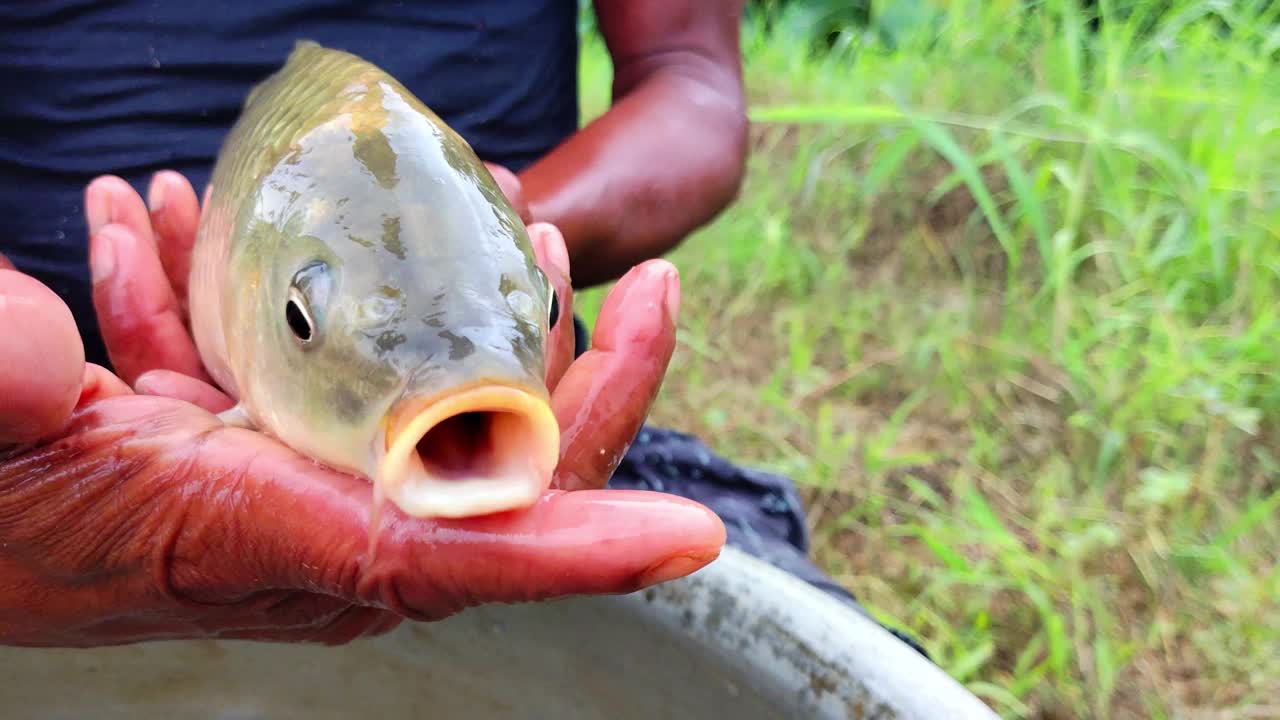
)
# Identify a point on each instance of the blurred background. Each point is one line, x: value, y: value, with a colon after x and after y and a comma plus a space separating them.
x: 1001, y: 294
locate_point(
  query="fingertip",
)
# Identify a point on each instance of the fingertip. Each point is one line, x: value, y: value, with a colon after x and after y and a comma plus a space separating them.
x: 550, y: 241
x: 102, y: 254
x: 97, y: 202
x: 110, y: 200
x: 671, y: 279
x: 629, y: 539
x: 645, y: 302
x: 158, y: 191
x: 539, y: 244
x: 42, y: 359
x: 100, y: 383
x: 171, y: 189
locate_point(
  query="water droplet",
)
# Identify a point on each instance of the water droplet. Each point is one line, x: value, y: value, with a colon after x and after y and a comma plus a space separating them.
x: 522, y: 304
x: 377, y: 309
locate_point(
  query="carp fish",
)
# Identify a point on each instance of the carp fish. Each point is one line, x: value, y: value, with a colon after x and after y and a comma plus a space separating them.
x: 363, y: 290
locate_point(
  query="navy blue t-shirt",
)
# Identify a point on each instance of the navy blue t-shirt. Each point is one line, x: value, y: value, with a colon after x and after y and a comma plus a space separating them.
x: 128, y: 88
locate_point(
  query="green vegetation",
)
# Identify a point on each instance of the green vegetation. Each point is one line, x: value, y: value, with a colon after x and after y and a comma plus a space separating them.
x: 1002, y: 294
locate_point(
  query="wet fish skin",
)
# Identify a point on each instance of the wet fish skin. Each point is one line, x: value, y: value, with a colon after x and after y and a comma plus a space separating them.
x: 355, y: 264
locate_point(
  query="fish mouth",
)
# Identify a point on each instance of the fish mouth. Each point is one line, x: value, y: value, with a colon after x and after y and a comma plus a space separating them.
x: 477, y: 451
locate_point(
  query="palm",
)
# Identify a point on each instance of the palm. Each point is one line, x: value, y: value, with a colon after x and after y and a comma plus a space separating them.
x: 170, y: 491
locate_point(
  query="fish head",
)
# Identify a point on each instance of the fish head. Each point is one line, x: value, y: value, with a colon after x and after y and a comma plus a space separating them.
x: 392, y: 318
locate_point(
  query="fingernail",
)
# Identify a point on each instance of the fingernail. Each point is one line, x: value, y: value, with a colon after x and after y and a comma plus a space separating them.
x: 673, y: 568
x: 552, y: 246
x: 97, y: 209
x: 102, y: 256
x: 539, y: 244
x: 672, y: 297
x: 158, y: 193
x: 142, y: 385
x: 560, y: 253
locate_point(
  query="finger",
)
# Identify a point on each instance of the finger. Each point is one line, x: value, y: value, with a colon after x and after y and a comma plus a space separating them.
x: 296, y: 525
x: 584, y: 543
x: 184, y: 388
x: 138, y: 313
x: 175, y: 217
x: 100, y: 383
x: 5, y: 264
x: 606, y: 394
x: 511, y: 187
x: 111, y: 200
x: 553, y: 258
x: 41, y: 359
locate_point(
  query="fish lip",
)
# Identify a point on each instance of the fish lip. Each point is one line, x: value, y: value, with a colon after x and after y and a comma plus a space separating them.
x: 527, y: 470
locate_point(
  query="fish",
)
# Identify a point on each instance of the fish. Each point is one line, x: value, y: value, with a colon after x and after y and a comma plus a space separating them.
x: 364, y: 291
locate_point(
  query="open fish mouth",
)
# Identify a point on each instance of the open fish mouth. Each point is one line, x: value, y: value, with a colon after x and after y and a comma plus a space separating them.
x: 482, y: 450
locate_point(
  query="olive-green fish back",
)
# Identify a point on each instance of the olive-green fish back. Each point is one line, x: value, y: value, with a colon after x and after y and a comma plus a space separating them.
x: 303, y: 94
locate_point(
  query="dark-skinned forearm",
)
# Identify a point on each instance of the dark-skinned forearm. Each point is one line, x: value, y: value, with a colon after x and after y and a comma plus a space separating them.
x: 667, y: 157
x: 630, y: 186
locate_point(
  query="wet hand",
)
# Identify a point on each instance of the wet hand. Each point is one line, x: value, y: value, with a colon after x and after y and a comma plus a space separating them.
x: 128, y: 517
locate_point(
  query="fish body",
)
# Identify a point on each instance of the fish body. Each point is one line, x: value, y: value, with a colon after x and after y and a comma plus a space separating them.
x: 365, y: 292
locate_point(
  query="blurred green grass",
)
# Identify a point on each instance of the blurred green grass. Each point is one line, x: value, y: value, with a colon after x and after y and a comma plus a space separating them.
x: 1002, y: 295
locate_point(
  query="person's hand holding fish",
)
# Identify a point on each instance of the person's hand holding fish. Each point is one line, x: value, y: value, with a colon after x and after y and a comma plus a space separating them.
x: 245, y: 507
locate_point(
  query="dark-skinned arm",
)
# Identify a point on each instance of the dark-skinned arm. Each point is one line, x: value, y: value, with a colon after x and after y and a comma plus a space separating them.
x: 669, y: 154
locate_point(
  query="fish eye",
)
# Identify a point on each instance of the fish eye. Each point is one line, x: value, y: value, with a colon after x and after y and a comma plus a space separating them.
x: 307, y: 297
x: 299, y: 319
x: 554, y: 312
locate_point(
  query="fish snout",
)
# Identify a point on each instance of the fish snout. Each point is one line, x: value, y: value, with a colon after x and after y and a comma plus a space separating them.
x: 483, y: 449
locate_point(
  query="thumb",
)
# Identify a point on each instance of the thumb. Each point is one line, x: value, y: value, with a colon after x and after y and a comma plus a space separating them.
x: 41, y: 359
x: 306, y: 528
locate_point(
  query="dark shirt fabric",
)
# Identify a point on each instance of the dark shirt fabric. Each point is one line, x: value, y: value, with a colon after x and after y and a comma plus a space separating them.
x: 132, y: 87
x: 89, y: 87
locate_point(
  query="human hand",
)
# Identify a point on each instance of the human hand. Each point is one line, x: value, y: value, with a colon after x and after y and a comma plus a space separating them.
x: 141, y: 258
x: 130, y: 517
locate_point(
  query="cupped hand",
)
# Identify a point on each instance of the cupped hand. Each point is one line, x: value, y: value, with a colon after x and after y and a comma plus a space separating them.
x: 128, y: 517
